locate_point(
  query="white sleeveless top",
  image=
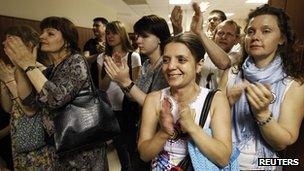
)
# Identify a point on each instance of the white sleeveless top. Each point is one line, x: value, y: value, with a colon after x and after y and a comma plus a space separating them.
x: 175, y: 150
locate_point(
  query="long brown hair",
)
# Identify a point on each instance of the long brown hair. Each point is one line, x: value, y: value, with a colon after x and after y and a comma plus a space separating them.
x: 293, y: 63
x: 118, y: 27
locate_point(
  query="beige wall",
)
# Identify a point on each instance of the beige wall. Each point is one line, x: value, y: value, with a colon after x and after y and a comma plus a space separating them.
x: 80, y: 12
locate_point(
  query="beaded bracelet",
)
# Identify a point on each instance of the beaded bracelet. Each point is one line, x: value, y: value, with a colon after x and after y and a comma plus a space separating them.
x: 173, y: 136
x: 264, y: 122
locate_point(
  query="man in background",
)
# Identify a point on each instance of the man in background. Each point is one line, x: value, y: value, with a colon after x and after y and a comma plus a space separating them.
x: 215, y: 17
x: 226, y: 37
x: 96, y: 46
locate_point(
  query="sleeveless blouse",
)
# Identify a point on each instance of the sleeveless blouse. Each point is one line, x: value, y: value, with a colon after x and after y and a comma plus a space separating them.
x: 175, y: 150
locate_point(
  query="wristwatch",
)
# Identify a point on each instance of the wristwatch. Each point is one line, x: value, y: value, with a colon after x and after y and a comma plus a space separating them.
x: 128, y: 88
x: 29, y: 68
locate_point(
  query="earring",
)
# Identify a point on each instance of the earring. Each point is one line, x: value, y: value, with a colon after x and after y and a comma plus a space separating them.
x: 67, y: 45
x: 159, y: 41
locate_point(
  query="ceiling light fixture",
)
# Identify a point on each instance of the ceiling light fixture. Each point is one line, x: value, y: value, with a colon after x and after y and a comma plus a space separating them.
x: 174, y: 2
x: 229, y: 14
x: 256, y: 1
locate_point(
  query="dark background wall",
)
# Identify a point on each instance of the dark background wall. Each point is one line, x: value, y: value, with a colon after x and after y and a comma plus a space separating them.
x: 6, y: 22
x: 294, y: 8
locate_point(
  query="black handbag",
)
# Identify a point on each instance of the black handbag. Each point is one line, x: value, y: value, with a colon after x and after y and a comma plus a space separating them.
x: 85, y: 122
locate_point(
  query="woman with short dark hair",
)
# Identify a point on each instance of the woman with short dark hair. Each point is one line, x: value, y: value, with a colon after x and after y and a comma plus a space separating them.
x: 171, y: 116
x: 60, y: 83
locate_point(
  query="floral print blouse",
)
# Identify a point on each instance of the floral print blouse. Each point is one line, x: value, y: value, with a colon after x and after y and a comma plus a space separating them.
x: 64, y: 83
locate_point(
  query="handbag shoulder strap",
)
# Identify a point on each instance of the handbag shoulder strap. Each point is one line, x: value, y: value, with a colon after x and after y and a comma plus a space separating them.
x: 93, y: 88
x: 130, y: 64
x: 206, y: 107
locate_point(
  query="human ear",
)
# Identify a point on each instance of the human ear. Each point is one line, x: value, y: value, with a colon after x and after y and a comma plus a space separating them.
x: 199, y: 66
x: 158, y: 40
x: 282, y: 40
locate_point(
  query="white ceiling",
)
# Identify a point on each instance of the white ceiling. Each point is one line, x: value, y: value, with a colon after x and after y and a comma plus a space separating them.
x: 129, y: 14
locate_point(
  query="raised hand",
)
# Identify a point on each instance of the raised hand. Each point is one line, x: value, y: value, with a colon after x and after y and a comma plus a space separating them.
x: 259, y: 97
x: 166, y: 118
x: 197, y: 19
x: 20, y: 54
x: 177, y: 19
x: 6, y: 72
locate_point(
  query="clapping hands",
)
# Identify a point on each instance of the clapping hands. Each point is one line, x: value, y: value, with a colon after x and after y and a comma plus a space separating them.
x: 117, y: 69
x: 19, y: 53
x: 177, y: 19
x: 197, y: 19
x: 234, y: 93
x: 166, y: 117
x: 186, y: 117
x: 259, y: 97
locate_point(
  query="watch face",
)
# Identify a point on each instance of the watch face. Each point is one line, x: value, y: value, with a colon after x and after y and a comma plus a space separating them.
x: 129, y: 87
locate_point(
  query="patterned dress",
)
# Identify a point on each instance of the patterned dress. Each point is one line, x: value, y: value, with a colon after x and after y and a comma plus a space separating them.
x: 39, y: 159
x: 64, y: 82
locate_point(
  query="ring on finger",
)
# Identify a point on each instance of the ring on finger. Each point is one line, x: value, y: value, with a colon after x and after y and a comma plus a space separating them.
x: 274, y: 96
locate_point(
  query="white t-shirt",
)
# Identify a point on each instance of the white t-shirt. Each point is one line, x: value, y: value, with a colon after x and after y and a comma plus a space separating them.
x: 114, y: 92
x: 209, y: 67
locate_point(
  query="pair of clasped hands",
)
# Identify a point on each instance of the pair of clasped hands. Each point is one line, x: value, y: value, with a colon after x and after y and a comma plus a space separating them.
x: 20, y: 54
x: 185, y: 117
x: 258, y: 95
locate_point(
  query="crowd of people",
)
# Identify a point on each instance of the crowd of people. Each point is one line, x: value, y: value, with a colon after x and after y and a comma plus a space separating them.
x: 254, y: 111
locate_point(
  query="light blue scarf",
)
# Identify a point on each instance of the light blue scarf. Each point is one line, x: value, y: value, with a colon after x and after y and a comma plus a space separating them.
x: 244, y: 126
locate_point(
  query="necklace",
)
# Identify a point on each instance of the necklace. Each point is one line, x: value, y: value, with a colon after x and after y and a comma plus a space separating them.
x: 192, y: 99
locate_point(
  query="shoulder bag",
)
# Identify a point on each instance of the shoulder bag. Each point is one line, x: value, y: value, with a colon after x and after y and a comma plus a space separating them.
x: 85, y: 122
x: 199, y: 160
